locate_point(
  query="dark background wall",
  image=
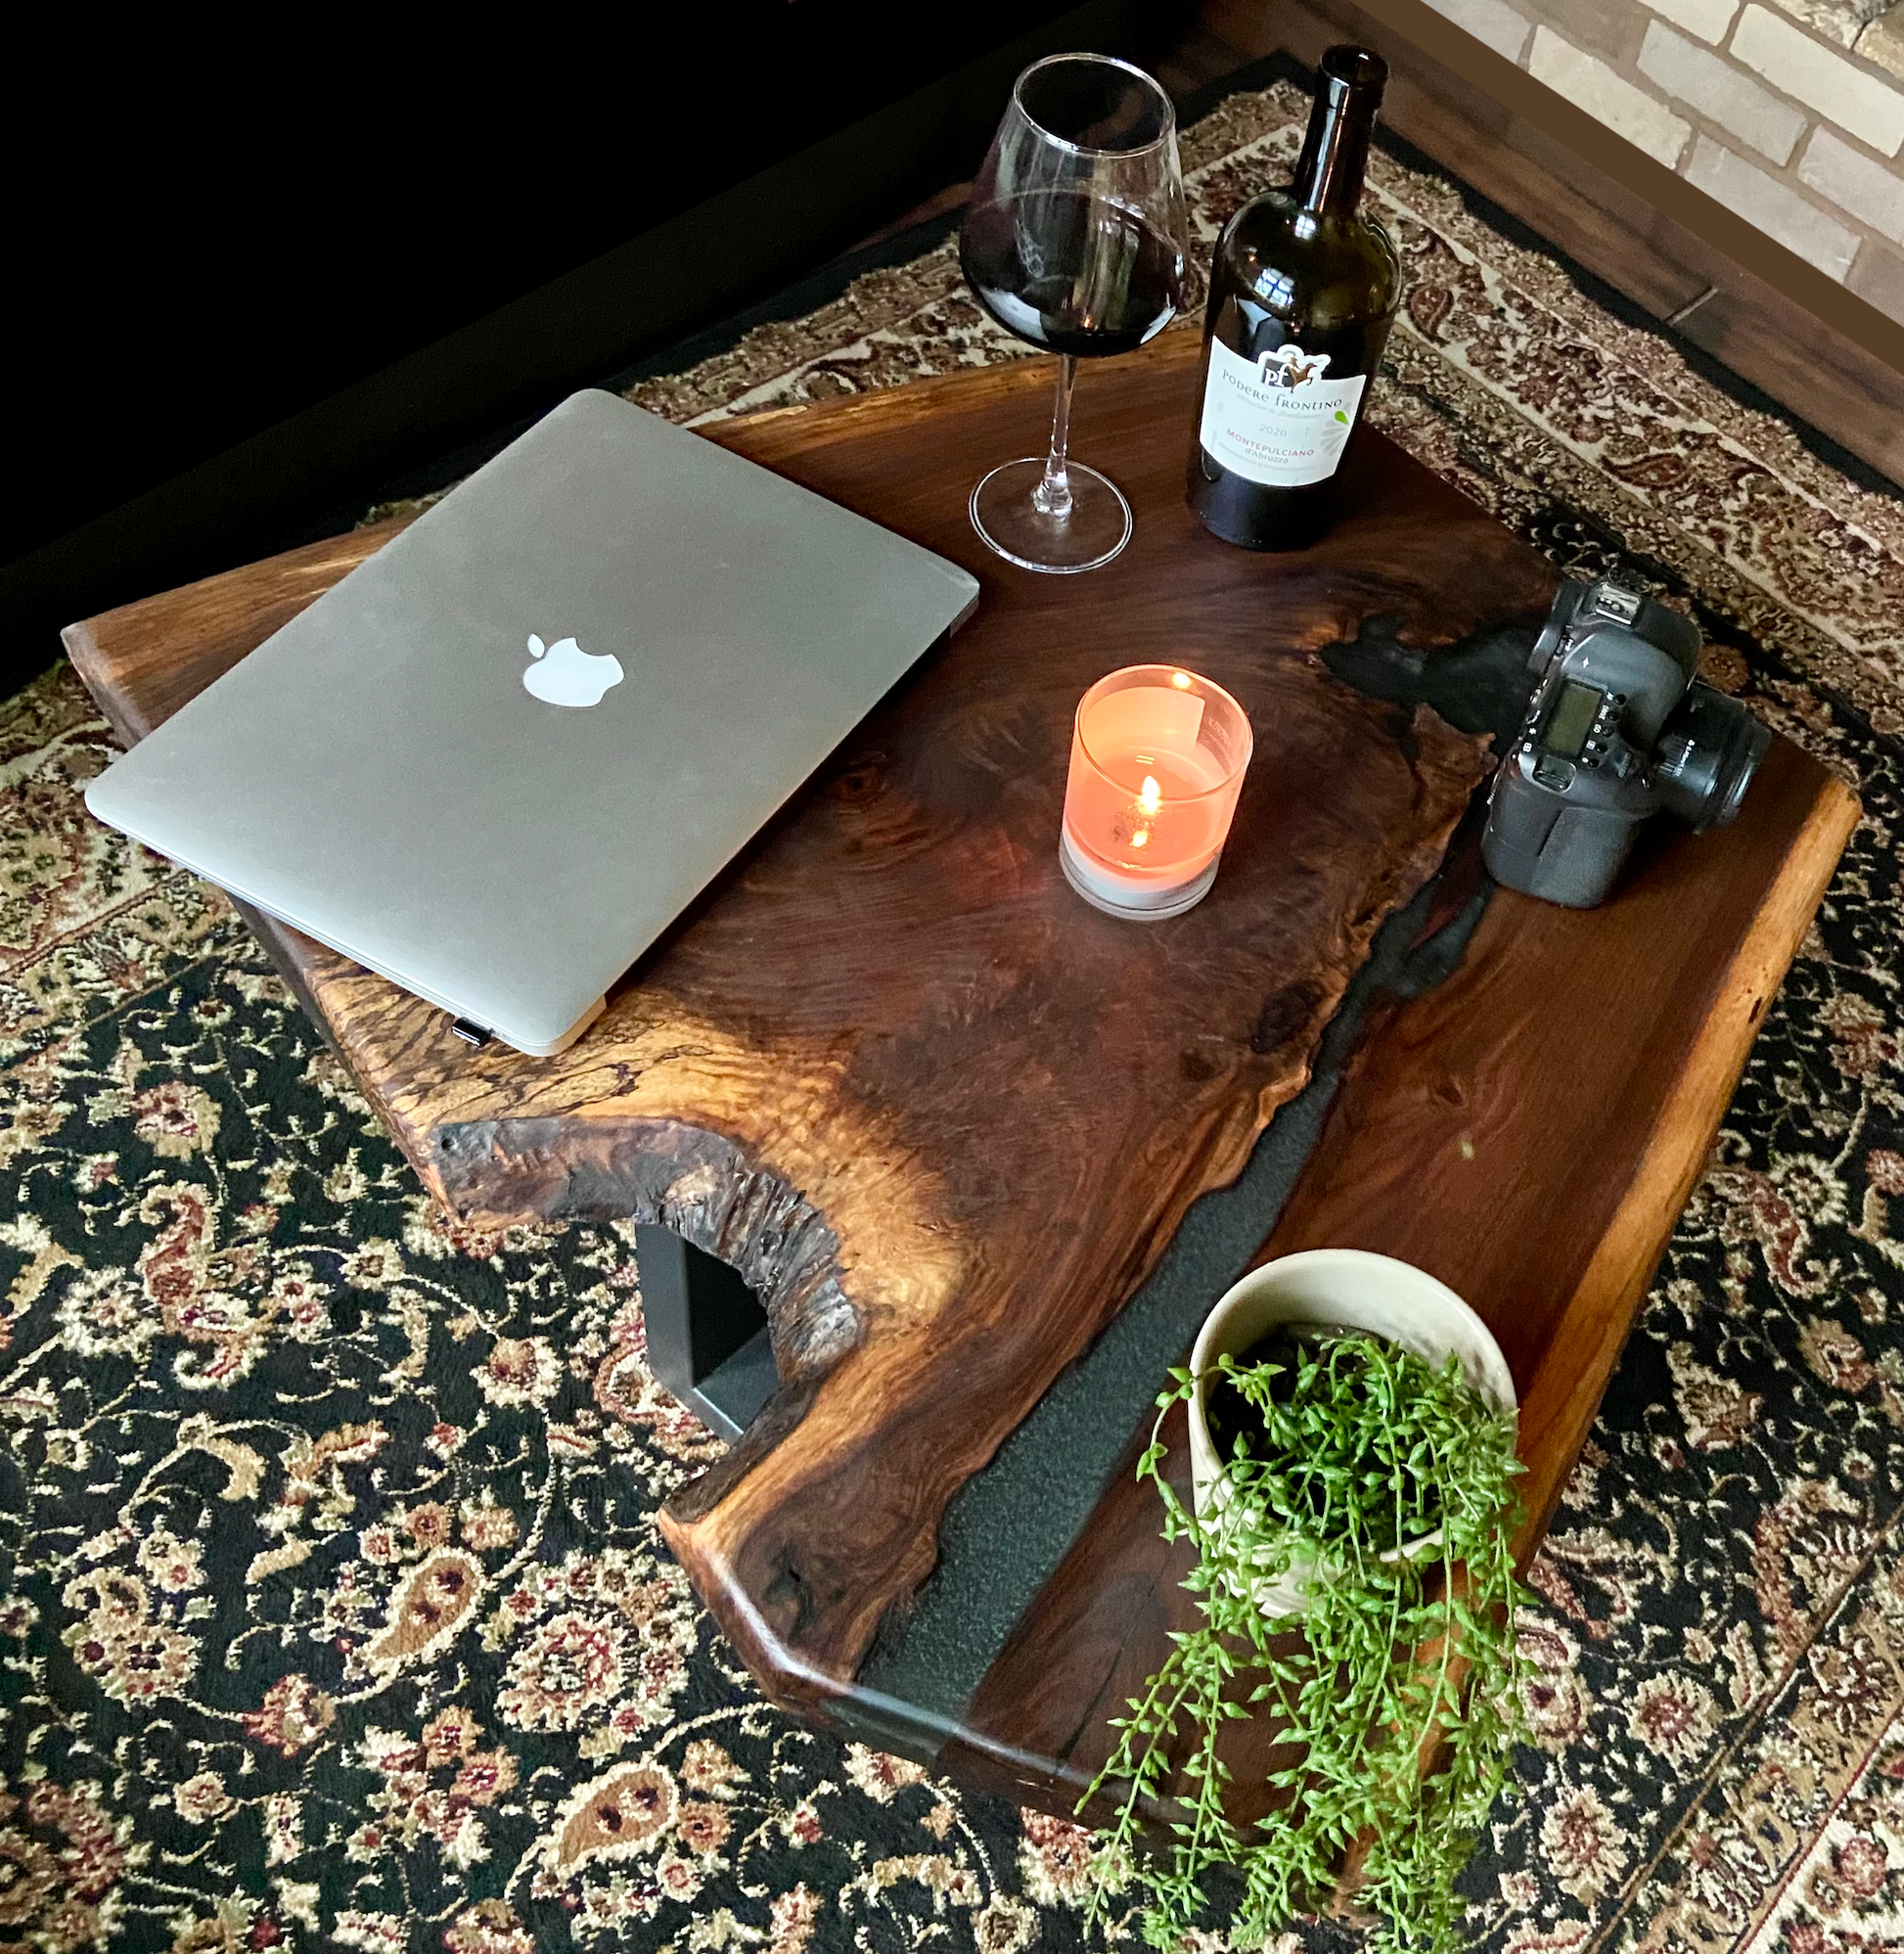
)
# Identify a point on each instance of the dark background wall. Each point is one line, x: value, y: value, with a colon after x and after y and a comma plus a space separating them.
x: 254, y: 281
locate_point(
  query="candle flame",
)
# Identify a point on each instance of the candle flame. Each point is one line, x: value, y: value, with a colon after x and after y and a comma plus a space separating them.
x: 1150, y: 797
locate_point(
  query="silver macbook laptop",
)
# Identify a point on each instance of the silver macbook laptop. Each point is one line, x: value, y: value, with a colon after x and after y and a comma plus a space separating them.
x: 502, y: 754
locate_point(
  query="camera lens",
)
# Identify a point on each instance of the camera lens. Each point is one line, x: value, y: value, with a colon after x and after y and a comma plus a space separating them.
x: 1706, y: 755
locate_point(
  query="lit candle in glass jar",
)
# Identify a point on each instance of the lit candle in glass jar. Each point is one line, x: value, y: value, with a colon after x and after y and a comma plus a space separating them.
x: 1158, y: 757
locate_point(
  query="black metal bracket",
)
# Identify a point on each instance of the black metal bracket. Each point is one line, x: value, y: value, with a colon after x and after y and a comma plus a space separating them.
x: 707, y: 1341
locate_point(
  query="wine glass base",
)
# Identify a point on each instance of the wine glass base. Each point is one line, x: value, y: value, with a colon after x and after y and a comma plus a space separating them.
x: 1011, y: 523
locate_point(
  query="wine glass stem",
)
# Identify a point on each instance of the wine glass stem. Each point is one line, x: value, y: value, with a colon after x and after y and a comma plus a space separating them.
x: 1053, y: 495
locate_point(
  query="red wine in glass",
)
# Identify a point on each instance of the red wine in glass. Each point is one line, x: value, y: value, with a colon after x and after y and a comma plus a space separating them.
x: 1073, y: 273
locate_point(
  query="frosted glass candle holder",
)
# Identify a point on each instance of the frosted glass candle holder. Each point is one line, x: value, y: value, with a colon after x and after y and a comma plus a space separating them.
x: 1158, y: 757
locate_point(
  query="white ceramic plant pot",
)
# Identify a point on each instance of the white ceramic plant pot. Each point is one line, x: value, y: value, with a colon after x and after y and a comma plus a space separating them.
x: 1357, y: 1291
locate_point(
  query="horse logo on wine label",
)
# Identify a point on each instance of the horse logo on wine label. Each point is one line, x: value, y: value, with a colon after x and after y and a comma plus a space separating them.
x: 1289, y: 366
x: 1280, y: 418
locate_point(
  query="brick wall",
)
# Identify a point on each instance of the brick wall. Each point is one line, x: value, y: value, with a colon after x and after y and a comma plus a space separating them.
x: 1791, y: 112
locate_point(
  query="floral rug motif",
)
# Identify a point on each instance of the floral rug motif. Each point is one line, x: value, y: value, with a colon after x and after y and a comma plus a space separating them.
x: 331, y: 1607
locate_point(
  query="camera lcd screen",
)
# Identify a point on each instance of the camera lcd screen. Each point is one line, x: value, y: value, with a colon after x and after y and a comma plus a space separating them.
x: 1571, y: 719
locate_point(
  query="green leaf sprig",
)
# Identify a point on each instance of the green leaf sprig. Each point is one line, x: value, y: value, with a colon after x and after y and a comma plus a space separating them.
x: 1408, y: 1657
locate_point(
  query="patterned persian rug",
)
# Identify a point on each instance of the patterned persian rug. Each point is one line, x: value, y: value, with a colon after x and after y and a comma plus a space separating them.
x: 332, y: 1610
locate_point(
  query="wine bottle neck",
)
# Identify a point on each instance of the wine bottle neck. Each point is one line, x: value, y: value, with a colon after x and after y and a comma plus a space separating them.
x: 1335, y: 151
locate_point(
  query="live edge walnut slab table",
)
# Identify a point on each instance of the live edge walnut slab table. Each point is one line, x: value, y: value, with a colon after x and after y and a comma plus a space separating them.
x: 946, y: 1121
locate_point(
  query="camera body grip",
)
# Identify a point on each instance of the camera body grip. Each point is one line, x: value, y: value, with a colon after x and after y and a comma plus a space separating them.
x: 1543, y: 844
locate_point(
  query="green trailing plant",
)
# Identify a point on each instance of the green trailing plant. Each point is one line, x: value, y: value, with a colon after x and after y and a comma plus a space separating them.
x: 1335, y: 1457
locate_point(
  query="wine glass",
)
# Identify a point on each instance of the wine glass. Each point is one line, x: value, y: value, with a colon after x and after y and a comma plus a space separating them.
x: 1073, y: 240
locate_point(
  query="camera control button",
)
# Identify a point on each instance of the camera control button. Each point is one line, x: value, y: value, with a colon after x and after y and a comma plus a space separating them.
x: 1556, y: 774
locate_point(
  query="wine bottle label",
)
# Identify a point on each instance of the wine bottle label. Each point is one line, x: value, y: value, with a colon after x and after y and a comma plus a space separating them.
x: 1280, y: 419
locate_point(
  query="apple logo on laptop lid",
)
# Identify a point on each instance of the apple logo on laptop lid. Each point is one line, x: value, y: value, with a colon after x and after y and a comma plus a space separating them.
x: 564, y: 674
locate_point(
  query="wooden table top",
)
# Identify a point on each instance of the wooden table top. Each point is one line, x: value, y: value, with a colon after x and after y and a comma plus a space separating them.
x: 947, y: 1119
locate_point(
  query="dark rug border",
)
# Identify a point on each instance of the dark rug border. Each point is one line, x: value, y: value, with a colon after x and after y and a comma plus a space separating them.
x: 824, y: 285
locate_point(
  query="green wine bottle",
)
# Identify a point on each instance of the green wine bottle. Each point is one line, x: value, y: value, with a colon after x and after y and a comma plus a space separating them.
x: 1304, y: 289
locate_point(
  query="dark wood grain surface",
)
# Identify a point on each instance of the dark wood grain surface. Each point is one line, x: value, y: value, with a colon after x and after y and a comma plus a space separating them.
x: 939, y: 1113
x: 1527, y: 1131
x: 944, y: 1117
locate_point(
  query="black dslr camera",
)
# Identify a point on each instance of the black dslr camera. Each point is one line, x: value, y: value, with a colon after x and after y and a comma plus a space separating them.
x: 1618, y: 728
